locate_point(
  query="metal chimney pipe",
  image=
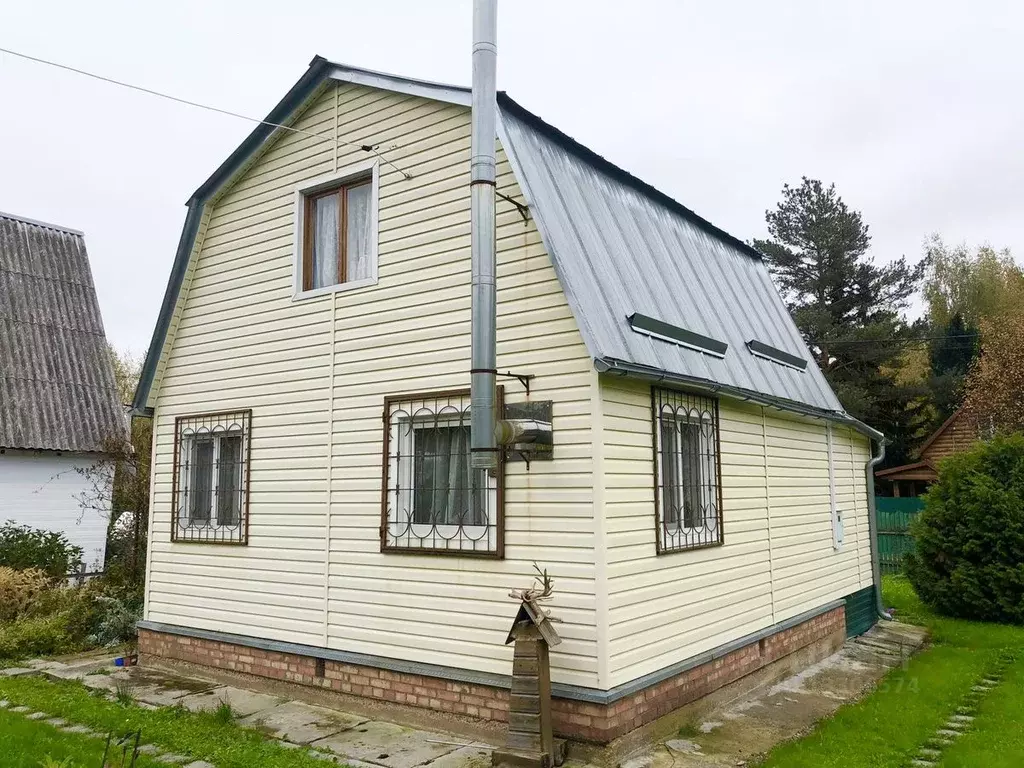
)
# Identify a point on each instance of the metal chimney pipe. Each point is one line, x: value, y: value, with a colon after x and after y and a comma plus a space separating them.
x: 483, y: 447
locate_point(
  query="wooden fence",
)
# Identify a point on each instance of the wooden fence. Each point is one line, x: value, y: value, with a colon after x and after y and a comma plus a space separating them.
x: 894, y: 541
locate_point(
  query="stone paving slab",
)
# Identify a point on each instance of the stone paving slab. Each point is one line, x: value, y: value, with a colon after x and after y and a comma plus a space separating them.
x: 18, y: 671
x: 472, y: 756
x: 302, y: 723
x: 242, y: 702
x: 151, y: 687
x: 389, y: 744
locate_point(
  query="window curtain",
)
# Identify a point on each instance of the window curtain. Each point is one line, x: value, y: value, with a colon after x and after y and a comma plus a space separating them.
x: 229, y: 474
x: 357, y: 247
x: 681, y: 473
x: 442, y: 494
x: 325, y: 241
x: 200, y: 495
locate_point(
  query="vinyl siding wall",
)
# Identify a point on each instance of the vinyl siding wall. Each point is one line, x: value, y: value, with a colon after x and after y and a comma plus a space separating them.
x: 778, y: 559
x: 315, y: 372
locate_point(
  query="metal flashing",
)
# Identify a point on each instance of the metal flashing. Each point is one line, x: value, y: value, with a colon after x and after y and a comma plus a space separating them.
x: 673, y: 334
x: 768, y: 352
x: 624, y: 368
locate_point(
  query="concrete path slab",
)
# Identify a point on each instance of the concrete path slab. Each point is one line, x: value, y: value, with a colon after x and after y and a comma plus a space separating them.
x: 152, y: 687
x: 741, y: 731
x: 242, y: 702
x: 464, y: 757
x: 388, y: 744
x: 302, y: 723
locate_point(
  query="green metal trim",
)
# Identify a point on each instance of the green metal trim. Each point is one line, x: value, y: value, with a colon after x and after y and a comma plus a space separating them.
x: 860, y: 611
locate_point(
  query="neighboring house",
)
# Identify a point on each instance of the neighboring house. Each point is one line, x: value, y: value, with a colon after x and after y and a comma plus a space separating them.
x: 704, y: 508
x: 956, y: 434
x: 58, y: 402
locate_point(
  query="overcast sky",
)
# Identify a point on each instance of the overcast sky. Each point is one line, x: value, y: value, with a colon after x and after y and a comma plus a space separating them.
x: 913, y: 109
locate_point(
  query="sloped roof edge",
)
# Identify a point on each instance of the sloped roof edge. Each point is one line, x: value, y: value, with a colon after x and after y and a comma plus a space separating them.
x: 619, y: 174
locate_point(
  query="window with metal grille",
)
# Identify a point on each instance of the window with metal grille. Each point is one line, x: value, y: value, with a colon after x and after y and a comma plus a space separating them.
x: 687, y: 471
x: 433, y: 501
x: 211, y: 478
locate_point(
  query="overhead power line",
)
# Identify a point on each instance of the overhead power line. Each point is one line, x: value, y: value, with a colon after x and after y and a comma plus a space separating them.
x: 895, y: 340
x: 122, y: 84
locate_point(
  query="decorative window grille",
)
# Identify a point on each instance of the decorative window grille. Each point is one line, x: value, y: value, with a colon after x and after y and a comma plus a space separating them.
x: 211, y: 478
x: 433, y: 501
x: 687, y: 480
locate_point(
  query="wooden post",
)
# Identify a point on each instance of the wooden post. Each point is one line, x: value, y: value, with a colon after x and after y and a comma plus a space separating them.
x: 531, y: 742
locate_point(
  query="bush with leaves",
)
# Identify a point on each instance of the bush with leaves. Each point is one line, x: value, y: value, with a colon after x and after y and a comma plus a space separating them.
x: 21, y: 591
x: 969, y: 540
x: 23, y: 547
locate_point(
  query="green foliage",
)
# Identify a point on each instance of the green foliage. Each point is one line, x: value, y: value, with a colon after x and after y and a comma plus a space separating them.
x: 886, y: 728
x: 951, y: 356
x: 23, y: 547
x: 224, y: 714
x: 35, y: 636
x: 197, y: 734
x: 33, y: 744
x: 119, y: 616
x: 974, y: 284
x: 847, y: 307
x: 968, y: 560
x: 21, y: 591
x: 124, y: 693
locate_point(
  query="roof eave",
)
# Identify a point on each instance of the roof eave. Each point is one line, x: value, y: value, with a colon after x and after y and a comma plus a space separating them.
x: 636, y: 370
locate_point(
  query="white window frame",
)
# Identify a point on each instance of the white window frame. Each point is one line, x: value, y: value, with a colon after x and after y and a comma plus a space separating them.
x: 187, y: 448
x: 403, y: 496
x: 703, y: 488
x: 834, y: 511
x: 343, y: 175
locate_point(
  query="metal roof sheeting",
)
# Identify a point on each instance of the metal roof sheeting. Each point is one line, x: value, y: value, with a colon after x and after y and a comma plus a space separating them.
x: 619, y: 247
x: 57, y: 388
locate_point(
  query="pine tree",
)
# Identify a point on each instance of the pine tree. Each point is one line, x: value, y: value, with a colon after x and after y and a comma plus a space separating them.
x: 951, y: 356
x: 847, y: 307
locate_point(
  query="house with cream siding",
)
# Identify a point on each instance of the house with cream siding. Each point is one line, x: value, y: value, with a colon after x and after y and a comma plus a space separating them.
x: 687, y: 477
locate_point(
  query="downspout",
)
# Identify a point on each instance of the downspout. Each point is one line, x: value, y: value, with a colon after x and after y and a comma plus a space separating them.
x: 876, y: 570
x: 483, y: 447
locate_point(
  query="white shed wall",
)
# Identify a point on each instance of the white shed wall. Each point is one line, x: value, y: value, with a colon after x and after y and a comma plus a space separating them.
x: 43, y: 490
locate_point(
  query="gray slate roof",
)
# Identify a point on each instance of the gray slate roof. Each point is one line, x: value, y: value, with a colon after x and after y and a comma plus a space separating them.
x: 57, y: 387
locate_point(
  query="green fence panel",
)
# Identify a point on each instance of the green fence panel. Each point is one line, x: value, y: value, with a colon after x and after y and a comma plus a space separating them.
x: 894, y: 541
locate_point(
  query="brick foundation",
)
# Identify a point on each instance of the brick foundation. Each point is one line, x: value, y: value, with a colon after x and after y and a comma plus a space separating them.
x: 581, y: 720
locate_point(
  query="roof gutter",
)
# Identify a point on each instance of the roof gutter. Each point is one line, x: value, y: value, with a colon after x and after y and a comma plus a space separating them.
x: 876, y: 569
x: 649, y: 373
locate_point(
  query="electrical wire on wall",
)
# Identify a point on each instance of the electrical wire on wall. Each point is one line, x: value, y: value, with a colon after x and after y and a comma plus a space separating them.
x: 370, y: 148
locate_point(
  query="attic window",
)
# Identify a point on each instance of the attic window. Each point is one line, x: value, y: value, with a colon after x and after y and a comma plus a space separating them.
x: 336, y: 231
x: 760, y: 349
x: 658, y: 329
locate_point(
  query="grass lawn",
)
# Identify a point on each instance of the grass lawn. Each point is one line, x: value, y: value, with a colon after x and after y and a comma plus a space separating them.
x: 886, y: 728
x: 202, y: 735
x: 31, y: 744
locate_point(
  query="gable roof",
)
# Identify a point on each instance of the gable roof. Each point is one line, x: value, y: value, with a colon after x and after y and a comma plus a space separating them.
x: 57, y: 388
x: 613, y: 240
